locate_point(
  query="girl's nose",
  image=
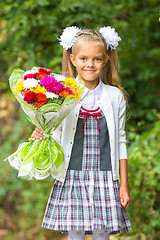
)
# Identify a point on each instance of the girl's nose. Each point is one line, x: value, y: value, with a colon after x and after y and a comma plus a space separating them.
x: 90, y: 63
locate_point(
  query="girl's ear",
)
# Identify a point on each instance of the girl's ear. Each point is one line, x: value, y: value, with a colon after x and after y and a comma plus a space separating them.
x: 72, y: 58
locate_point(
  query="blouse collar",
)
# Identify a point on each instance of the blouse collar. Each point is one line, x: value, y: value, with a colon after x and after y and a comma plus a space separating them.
x: 97, y: 90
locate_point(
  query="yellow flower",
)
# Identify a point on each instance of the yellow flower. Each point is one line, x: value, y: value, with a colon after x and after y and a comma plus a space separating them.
x: 38, y: 89
x: 77, y: 92
x: 70, y: 83
x: 19, y: 86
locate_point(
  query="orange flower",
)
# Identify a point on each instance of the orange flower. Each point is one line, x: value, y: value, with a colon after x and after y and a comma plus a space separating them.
x: 41, y: 75
x: 25, y: 91
x: 40, y: 100
x: 64, y: 93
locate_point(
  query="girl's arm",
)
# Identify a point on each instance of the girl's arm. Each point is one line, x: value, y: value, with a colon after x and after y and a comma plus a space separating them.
x: 124, y: 190
x: 124, y: 195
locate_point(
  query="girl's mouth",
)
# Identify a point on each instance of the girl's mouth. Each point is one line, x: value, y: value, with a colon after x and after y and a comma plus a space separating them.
x: 89, y: 70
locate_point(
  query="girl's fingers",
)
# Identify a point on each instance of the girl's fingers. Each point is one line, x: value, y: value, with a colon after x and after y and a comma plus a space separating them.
x: 39, y: 137
x: 36, y: 135
x: 125, y: 203
x: 127, y: 206
x: 31, y: 139
x: 38, y: 130
x: 122, y: 202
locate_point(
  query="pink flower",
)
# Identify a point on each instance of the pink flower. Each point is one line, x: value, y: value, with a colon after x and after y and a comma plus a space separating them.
x: 51, y: 84
x: 57, y: 88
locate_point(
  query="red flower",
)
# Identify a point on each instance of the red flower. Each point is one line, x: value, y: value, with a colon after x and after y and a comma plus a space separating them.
x: 40, y: 100
x: 44, y: 70
x: 30, y: 97
x: 32, y: 75
x: 40, y: 75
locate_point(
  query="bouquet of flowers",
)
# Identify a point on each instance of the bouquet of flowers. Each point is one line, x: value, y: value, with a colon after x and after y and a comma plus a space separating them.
x: 47, y: 99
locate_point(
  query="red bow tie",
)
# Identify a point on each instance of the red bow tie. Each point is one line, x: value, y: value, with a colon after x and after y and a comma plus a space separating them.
x: 92, y: 113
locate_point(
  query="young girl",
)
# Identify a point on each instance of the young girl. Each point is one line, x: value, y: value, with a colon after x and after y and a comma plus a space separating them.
x: 87, y: 198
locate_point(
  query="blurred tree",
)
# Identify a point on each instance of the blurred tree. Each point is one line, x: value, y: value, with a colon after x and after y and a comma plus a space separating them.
x: 144, y: 178
x: 29, y: 32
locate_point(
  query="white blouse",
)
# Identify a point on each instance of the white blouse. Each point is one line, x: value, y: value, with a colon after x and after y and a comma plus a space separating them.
x: 91, y: 98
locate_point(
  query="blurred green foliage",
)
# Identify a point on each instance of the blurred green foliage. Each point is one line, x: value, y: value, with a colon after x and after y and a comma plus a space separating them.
x: 28, y: 37
x: 144, y: 179
x: 30, y: 30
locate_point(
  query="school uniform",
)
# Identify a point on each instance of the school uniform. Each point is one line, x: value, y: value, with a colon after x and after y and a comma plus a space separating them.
x: 85, y: 196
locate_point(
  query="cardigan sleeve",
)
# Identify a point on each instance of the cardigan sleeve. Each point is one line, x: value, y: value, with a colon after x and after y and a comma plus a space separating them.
x: 121, y: 128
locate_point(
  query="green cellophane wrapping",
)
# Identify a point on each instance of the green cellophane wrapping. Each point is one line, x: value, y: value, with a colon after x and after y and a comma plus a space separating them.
x: 40, y: 159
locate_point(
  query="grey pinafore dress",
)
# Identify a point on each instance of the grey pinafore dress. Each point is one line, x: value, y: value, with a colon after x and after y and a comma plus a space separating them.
x: 88, y: 199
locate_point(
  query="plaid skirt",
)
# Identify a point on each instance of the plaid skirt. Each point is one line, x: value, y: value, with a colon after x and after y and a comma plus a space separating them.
x: 89, y: 198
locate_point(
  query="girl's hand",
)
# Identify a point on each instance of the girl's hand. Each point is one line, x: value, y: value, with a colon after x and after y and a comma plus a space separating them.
x: 124, y: 196
x: 37, y: 134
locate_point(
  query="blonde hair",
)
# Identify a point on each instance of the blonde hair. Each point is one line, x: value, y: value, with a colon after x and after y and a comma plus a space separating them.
x: 109, y: 74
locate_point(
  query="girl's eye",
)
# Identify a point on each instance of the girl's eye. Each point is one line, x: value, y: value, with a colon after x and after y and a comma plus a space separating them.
x: 83, y: 59
x: 97, y: 59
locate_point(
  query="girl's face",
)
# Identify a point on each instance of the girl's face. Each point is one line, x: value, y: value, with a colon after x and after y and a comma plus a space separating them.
x: 89, y: 61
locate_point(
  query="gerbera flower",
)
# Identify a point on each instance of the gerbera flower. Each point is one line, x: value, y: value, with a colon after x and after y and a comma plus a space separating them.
x: 51, y: 95
x: 40, y: 75
x: 70, y: 83
x: 40, y: 100
x: 51, y: 84
x: 30, y: 97
x: 44, y: 70
x: 30, y: 83
x: 31, y: 75
x: 38, y: 89
x: 66, y: 92
x: 48, y: 81
x: 32, y: 71
x: 59, y: 77
x: 77, y: 92
x: 57, y: 88
x: 19, y: 86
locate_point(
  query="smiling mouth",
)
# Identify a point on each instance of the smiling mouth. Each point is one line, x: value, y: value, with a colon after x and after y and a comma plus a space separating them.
x: 90, y: 71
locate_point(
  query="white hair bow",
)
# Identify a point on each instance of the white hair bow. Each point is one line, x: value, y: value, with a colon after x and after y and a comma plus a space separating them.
x: 69, y: 36
x: 111, y: 37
